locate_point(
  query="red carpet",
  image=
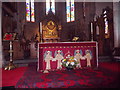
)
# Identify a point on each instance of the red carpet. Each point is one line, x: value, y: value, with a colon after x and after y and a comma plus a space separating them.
x: 28, y: 77
x: 112, y: 66
x: 10, y: 78
x: 85, y: 78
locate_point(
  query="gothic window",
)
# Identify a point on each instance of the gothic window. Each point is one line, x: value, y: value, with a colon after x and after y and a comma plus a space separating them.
x: 30, y: 16
x: 50, y: 4
x: 70, y: 10
x: 106, y: 24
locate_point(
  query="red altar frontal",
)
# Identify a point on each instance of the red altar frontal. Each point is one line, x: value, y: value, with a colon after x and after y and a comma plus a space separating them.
x: 50, y: 55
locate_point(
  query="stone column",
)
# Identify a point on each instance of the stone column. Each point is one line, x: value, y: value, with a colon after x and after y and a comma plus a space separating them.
x: 1, y: 54
x: 116, y: 20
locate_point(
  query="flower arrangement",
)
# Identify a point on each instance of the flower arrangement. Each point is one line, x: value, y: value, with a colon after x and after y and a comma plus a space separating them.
x: 9, y: 36
x: 69, y: 62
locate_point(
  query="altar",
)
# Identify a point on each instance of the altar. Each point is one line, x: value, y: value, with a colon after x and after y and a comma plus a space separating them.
x: 50, y: 55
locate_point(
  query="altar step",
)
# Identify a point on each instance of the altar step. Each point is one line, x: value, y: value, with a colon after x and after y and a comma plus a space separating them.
x: 26, y: 62
x: 104, y: 58
x: 23, y: 62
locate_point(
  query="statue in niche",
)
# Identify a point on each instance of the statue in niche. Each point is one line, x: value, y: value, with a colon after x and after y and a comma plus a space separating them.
x: 47, y: 58
x: 59, y: 57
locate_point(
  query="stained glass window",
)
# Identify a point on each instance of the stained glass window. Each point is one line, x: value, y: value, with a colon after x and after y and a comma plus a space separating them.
x: 70, y: 10
x: 48, y: 2
x: 47, y: 6
x: 53, y: 6
x: 106, y: 26
x: 30, y: 10
x: 106, y: 22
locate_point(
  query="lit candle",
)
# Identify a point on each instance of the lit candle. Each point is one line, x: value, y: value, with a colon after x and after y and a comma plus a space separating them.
x: 40, y: 27
x: 10, y: 45
x: 10, y: 50
x: 97, y: 30
x: 91, y: 28
x: 84, y: 8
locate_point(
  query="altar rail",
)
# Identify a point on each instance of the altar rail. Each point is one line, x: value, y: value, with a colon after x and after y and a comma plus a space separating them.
x: 51, y: 54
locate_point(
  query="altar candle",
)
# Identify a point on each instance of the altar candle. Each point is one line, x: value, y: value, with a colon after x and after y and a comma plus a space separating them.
x: 10, y: 50
x: 41, y: 27
x: 97, y: 30
x: 91, y: 28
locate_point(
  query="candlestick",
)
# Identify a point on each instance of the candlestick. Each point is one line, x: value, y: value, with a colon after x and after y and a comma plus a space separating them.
x: 97, y: 30
x: 91, y: 28
x: 40, y: 27
x: 11, y: 50
x: 10, y: 37
x: 40, y: 31
x: 84, y: 8
x: 91, y: 31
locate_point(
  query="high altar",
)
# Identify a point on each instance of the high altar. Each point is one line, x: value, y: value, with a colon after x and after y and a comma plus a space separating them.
x: 51, y: 54
x: 51, y: 51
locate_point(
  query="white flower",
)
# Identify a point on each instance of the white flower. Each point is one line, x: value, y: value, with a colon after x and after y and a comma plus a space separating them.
x: 67, y: 63
x: 72, y: 63
x: 75, y: 59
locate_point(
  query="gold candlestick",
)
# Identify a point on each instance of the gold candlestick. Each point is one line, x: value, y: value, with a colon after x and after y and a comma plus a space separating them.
x: 10, y: 37
x: 10, y: 66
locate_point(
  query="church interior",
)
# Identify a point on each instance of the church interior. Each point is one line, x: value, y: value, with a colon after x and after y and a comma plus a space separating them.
x: 37, y: 38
